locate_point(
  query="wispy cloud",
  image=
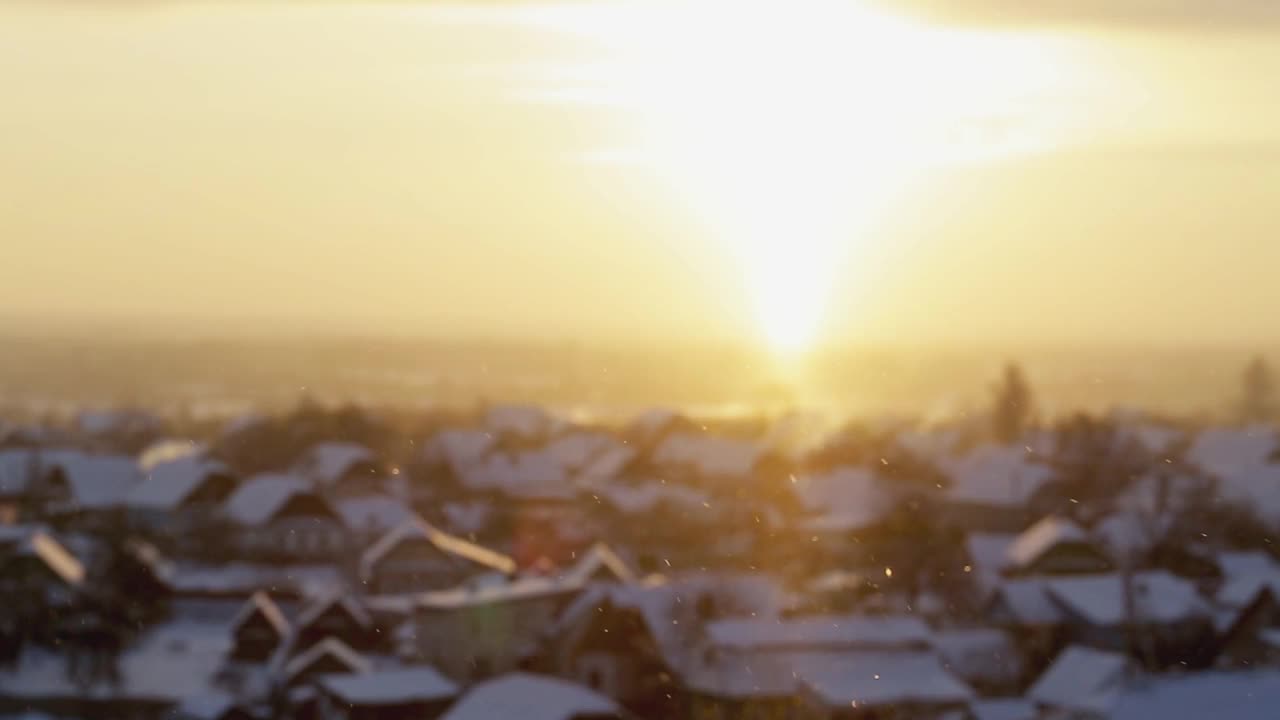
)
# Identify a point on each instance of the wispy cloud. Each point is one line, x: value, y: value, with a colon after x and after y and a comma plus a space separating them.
x: 1252, y: 15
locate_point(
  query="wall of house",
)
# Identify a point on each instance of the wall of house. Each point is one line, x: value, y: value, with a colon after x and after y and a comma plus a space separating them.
x: 478, y: 641
x: 416, y: 565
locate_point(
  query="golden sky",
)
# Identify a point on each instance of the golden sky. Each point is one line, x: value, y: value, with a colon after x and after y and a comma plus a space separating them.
x: 613, y: 170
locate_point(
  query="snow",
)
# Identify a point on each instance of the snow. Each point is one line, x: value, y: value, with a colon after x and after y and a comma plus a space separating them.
x: 168, y: 484
x: 328, y: 462
x: 209, y: 706
x: 1027, y: 601
x: 1038, y: 539
x: 246, y: 578
x: 987, y: 552
x: 845, y: 499
x: 1251, y: 695
x: 878, y: 679
x: 1003, y: 709
x: 1158, y: 596
x: 599, y: 557
x: 375, y: 513
x: 53, y: 554
x: 607, y: 465
x: 389, y: 687
x: 467, y: 517
x: 819, y: 632
x: 449, y: 544
x: 1240, y: 590
x: 1243, y: 563
x: 1242, y: 460
x: 526, y: 475
x: 575, y: 451
x: 348, y: 604
x: 638, y: 499
x: 530, y: 697
x: 169, y: 663
x: 986, y: 653
x: 1081, y: 679
x: 709, y: 456
x: 260, y: 603
x: 261, y: 496
x: 1003, y: 476
x: 459, y: 449
x: 164, y: 451
x: 332, y: 647
x: 492, y: 594
x: 95, y: 481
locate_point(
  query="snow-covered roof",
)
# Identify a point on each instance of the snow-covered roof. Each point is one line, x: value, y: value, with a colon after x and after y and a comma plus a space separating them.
x: 978, y: 652
x: 167, y: 484
x: 167, y: 450
x: 41, y: 545
x: 530, y: 697
x: 1081, y: 679
x: 246, y: 578
x: 389, y: 687
x: 327, y: 462
x: 331, y: 647
x: 467, y: 517
x: 1027, y: 601
x: 995, y: 475
x: 575, y: 451
x: 1241, y: 589
x: 342, y: 600
x: 879, y: 679
x: 526, y: 475
x: 418, y: 529
x: 987, y: 552
x: 526, y: 588
x: 262, y: 496
x: 847, y: 498
x: 374, y: 513
x: 260, y: 603
x: 1253, y: 695
x: 708, y: 455
x: 16, y: 468
x: 607, y: 465
x: 1003, y: 709
x: 207, y: 706
x: 1158, y: 596
x: 817, y: 632
x: 95, y: 481
x: 1227, y: 451
x: 635, y: 499
x: 168, y: 663
x: 598, y: 558
x: 525, y: 421
x: 1038, y: 539
x: 459, y: 448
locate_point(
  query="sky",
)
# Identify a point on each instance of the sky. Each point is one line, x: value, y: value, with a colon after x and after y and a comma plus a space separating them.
x: 790, y: 173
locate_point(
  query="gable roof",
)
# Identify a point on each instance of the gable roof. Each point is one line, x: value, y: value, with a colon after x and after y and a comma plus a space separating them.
x: 1250, y: 695
x: 374, y: 513
x: 262, y: 496
x: 326, y: 462
x: 260, y: 603
x: 599, y: 557
x: 816, y: 632
x: 879, y: 678
x: 43, y: 546
x: 847, y: 498
x: 417, y: 528
x: 709, y: 455
x: 348, y: 604
x: 168, y: 484
x: 95, y: 481
x: 1027, y: 601
x: 391, y: 687
x: 995, y: 475
x: 1158, y: 596
x: 458, y: 448
x: 331, y: 647
x: 1038, y: 539
x: 530, y: 697
x: 1081, y: 679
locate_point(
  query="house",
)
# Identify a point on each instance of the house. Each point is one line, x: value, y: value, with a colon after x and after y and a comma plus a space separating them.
x: 343, y: 469
x: 708, y: 459
x: 446, y: 458
x: 338, y: 617
x: 620, y: 640
x: 66, y: 485
x: 1081, y: 680
x: 532, y: 697
x: 211, y: 706
x: 1055, y: 546
x: 177, y: 495
x: 411, y: 693
x: 519, y: 424
x: 877, y: 685
x: 417, y: 557
x: 486, y: 628
x: 599, y: 564
x: 42, y: 580
x: 258, y: 630
x: 282, y: 518
x: 330, y: 656
x: 369, y: 517
x: 993, y: 488
x: 1250, y: 695
x: 1252, y: 637
x: 817, y: 633
x: 986, y: 659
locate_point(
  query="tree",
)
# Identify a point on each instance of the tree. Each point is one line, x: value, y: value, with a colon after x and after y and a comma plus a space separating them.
x: 1094, y: 462
x: 1012, y: 410
x: 1257, y: 403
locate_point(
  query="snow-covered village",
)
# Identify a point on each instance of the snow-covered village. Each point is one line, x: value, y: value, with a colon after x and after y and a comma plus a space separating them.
x: 331, y: 564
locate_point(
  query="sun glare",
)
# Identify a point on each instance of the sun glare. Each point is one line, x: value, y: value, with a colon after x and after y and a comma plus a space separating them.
x: 788, y: 125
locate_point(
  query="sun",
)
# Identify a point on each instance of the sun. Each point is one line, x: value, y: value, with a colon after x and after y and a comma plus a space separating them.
x: 787, y: 126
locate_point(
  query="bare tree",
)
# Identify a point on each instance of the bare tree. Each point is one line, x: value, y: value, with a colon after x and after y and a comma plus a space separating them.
x: 1012, y: 411
x: 1257, y: 401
